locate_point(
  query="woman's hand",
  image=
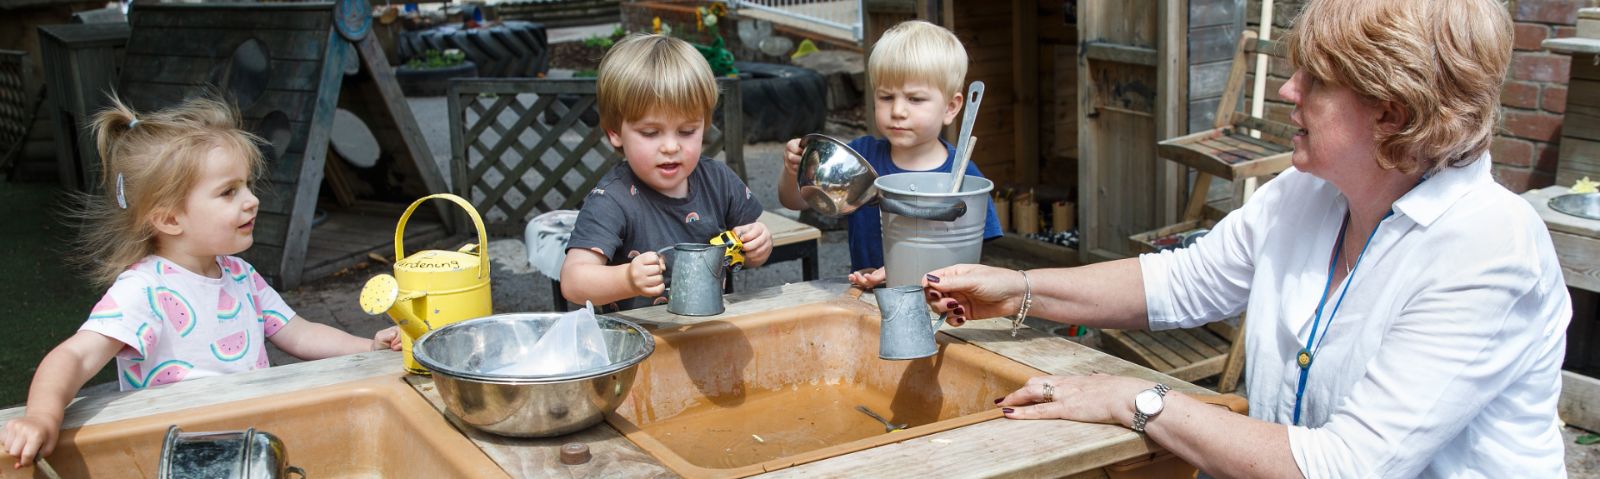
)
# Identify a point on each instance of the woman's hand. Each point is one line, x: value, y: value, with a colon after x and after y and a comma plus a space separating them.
x: 29, y: 437
x: 646, y: 273
x: 757, y: 241
x: 1097, y: 398
x: 387, y: 338
x: 970, y: 291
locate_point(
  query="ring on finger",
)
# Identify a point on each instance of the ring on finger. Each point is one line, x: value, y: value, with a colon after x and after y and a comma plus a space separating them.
x: 1049, y: 393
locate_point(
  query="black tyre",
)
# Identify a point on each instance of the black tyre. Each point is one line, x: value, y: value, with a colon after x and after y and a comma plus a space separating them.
x: 537, y: 39
x: 514, y: 49
x: 500, y: 55
x: 522, y: 57
x: 432, y: 81
x: 487, y: 65
x: 781, y: 101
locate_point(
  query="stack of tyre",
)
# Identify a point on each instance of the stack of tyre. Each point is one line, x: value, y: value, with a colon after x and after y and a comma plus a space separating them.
x: 781, y: 101
x: 511, y: 49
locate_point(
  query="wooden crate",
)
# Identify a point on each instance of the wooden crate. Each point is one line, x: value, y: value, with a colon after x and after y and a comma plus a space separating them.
x: 1146, y: 242
x: 81, y: 64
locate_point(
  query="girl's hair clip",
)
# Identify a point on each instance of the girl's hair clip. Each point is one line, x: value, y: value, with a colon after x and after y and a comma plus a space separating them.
x: 122, y: 197
x: 133, y: 123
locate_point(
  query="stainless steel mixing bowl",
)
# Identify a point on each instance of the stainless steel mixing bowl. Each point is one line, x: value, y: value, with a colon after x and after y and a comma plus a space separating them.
x: 1582, y: 205
x: 464, y: 357
x: 834, y: 179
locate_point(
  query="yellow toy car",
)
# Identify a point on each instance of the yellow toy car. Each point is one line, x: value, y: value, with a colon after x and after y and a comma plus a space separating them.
x: 735, y: 249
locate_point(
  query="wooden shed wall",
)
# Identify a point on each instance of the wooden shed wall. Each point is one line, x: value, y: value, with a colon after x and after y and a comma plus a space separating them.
x: 174, y: 54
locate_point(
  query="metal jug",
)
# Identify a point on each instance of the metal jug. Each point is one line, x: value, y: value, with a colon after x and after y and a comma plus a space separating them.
x: 694, y: 279
x: 431, y: 288
x: 906, y: 332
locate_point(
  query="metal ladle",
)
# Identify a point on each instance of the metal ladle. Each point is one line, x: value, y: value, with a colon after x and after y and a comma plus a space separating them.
x: 965, y: 141
x: 887, y: 426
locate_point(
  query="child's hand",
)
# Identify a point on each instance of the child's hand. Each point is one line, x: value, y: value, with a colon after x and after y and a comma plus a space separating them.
x: 757, y: 243
x: 29, y: 437
x: 645, y: 274
x: 387, y: 338
x: 869, y: 278
x: 791, y: 157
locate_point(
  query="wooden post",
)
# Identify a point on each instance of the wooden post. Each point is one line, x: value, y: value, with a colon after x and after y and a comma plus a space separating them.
x: 1025, y: 94
x: 316, y: 150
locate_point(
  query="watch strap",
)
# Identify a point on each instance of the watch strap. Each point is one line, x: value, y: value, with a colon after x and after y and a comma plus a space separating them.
x: 1139, y: 417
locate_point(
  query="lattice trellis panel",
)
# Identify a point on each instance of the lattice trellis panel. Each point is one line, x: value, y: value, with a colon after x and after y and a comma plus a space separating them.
x: 16, y: 104
x: 520, y: 147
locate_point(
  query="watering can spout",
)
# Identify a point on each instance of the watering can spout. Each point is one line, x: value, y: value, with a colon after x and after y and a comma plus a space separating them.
x: 382, y: 295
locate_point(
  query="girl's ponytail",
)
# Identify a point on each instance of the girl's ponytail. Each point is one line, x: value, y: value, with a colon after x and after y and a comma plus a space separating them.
x: 110, y: 126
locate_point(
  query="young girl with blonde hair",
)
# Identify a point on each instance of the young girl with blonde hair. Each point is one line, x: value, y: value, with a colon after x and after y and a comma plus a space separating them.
x: 177, y: 206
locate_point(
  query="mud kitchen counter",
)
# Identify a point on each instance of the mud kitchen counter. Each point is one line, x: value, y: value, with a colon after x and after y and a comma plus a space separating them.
x: 991, y: 448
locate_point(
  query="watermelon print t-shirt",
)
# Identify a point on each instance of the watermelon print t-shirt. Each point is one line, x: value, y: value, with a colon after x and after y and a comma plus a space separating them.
x: 176, y: 324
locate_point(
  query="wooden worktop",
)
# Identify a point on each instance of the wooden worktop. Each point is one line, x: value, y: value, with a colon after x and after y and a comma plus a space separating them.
x: 998, y: 447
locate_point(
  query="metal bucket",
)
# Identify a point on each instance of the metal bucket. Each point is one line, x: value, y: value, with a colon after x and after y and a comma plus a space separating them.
x: 247, y: 454
x: 694, y: 279
x: 913, y: 247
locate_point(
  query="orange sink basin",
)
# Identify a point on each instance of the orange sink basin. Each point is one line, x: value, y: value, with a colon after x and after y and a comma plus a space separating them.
x: 746, y: 394
x: 370, y: 428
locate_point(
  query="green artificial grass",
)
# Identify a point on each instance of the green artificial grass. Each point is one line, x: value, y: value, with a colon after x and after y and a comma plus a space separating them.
x: 43, y: 300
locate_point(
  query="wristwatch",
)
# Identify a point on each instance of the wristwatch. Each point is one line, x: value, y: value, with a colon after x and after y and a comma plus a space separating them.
x: 1148, y: 404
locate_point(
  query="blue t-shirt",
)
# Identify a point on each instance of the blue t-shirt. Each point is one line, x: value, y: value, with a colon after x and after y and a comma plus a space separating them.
x: 866, y: 230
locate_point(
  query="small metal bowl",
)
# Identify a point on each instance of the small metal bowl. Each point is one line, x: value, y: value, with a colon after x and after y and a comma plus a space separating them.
x: 463, y: 355
x: 1582, y: 205
x: 834, y: 179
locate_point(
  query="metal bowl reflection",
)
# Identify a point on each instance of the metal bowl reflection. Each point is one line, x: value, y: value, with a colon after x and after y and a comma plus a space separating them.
x: 1582, y: 205
x: 464, y: 357
x: 834, y: 179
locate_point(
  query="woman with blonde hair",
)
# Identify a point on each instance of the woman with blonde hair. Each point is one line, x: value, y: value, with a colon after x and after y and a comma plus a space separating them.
x: 1407, y: 314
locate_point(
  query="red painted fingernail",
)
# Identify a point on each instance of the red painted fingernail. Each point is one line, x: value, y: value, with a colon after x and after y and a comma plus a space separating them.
x: 997, y: 400
x: 1007, y: 410
x: 960, y: 311
x: 960, y: 322
x: 933, y: 279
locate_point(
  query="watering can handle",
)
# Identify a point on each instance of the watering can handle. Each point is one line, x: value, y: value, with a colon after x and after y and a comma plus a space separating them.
x: 483, y: 236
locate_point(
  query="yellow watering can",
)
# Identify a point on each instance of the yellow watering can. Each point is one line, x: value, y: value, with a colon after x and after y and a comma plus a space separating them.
x: 431, y: 288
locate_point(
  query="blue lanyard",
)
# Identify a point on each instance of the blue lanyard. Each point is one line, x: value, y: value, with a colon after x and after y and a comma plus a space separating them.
x: 1306, y: 354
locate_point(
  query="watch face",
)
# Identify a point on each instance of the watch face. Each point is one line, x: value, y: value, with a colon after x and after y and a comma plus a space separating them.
x: 1148, y: 402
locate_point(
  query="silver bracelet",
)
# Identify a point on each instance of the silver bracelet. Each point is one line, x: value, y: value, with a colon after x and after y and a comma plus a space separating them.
x: 1027, y: 303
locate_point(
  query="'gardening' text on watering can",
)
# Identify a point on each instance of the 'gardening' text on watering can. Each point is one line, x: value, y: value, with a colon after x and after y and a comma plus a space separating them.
x: 431, y: 288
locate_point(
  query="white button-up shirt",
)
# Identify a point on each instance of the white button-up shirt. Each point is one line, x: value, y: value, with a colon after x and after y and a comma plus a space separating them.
x: 1443, y: 360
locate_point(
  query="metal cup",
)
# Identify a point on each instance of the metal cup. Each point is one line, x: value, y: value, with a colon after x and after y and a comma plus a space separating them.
x: 247, y: 454
x: 694, y: 279
x: 906, y: 332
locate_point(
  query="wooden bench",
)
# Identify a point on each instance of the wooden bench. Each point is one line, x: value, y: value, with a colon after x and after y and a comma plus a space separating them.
x: 793, y: 240
x: 1187, y: 354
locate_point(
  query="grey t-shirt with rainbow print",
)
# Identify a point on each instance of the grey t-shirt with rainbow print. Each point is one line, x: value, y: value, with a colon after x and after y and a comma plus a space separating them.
x: 622, y: 217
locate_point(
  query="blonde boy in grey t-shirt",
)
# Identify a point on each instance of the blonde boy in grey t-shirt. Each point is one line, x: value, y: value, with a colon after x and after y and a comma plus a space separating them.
x: 656, y: 95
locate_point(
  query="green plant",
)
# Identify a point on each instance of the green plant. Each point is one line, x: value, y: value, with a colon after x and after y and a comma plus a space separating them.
x: 597, y: 41
x: 436, y: 59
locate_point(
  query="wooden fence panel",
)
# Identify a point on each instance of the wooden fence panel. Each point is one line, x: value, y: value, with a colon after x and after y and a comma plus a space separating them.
x: 523, y: 146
